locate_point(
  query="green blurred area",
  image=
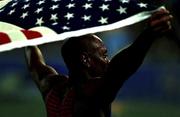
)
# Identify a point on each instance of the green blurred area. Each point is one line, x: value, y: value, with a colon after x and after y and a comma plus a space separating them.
x: 33, y: 108
x: 136, y: 108
x: 128, y: 108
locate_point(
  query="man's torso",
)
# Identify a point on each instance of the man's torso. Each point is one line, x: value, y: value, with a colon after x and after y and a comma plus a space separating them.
x: 63, y: 101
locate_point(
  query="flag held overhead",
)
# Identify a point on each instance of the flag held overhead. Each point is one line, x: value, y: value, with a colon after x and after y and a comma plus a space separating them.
x: 33, y: 22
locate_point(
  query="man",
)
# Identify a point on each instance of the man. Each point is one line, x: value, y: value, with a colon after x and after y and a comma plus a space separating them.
x: 93, y: 80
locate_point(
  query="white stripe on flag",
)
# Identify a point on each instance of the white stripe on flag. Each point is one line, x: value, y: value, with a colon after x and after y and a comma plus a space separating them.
x: 15, y: 35
x: 44, y: 30
x: 8, y: 27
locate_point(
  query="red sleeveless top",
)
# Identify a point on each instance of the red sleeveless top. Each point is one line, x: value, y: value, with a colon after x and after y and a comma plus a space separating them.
x: 59, y: 103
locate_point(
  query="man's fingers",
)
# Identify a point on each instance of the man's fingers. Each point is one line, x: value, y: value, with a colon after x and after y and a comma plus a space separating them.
x: 163, y: 27
x: 160, y: 13
x: 160, y: 22
x: 163, y: 20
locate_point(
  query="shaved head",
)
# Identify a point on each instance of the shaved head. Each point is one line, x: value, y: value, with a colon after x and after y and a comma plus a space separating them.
x: 75, y: 46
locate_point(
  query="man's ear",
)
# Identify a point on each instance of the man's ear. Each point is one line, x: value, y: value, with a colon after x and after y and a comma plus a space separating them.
x: 85, y: 59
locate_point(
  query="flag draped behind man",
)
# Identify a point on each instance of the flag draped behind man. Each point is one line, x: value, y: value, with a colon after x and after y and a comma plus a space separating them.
x: 32, y: 22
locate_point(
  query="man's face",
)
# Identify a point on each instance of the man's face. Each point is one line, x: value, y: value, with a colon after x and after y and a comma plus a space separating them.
x: 98, y: 58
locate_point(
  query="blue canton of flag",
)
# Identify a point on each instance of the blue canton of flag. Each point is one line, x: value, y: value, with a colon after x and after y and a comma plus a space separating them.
x: 32, y: 22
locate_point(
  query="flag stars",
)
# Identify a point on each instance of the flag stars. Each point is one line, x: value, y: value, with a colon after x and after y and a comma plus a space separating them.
x: 56, y: 0
x: 104, y: 7
x: 54, y: 7
x: 107, y: 0
x: 41, y: 2
x: 27, y: 0
x: 122, y: 10
x: 103, y: 20
x: 14, y: 4
x: 25, y: 6
x: 54, y: 17
x: 11, y: 12
x: 24, y: 15
x: 1, y: 10
x: 124, y: 1
x: 87, y: 6
x: 39, y: 10
x: 39, y: 21
x: 142, y: 5
x: 65, y: 28
x: 69, y: 16
x: 86, y: 18
x: 55, y: 23
x: 70, y: 5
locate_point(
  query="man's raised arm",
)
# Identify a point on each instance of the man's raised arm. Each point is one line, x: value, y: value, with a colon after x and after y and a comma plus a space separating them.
x: 126, y: 62
x: 41, y: 72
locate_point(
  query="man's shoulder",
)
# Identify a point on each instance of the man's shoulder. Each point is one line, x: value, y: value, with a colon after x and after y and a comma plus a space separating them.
x: 57, y: 82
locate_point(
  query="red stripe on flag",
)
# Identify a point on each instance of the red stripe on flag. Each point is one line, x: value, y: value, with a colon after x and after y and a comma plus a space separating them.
x: 4, y: 38
x: 31, y: 34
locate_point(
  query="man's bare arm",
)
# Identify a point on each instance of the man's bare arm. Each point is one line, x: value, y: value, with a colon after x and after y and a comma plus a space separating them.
x: 41, y: 72
x: 126, y: 62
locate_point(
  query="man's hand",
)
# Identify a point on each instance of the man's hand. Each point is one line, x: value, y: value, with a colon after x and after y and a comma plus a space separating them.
x: 160, y: 21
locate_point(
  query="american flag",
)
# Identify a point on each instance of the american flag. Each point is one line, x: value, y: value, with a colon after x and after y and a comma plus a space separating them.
x: 33, y: 22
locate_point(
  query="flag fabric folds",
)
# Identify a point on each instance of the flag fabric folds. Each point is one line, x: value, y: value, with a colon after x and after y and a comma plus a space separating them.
x: 33, y: 22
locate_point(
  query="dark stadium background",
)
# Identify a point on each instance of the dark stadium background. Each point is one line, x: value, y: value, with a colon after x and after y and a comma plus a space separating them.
x: 153, y: 91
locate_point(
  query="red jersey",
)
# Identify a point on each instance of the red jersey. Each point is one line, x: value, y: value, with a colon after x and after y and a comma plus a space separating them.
x: 61, y: 103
